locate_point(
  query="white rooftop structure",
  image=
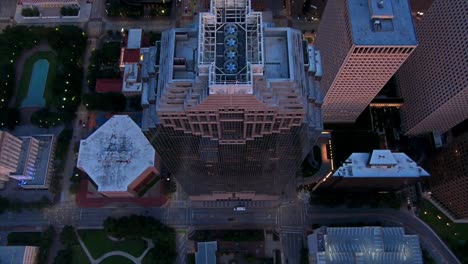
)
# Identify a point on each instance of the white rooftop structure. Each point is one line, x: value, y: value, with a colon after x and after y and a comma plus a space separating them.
x: 116, y: 154
x: 230, y: 46
x: 364, y: 245
x: 134, y: 38
x: 380, y: 163
x: 131, y: 82
x: 382, y: 157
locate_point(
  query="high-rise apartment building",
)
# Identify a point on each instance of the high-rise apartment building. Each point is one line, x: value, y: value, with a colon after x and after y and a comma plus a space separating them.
x: 363, y: 43
x: 449, y: 181
x: 10, y: 151
x: 237, y: 105
x: 434, y: 80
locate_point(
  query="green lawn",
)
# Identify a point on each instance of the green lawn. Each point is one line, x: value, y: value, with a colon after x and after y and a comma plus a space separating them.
x: 116, y: 260
x: 98, y: 244
x: 79, y: 256
x: 453, y: 234
x: 26, y: 76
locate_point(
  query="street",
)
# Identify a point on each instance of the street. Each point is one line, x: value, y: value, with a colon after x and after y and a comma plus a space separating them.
x: 289, y: 220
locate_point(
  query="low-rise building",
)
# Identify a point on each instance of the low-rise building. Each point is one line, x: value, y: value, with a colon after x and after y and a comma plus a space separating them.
x: 380, y: 170
x: 118, y: 158
x: 28, y: 159
x: 206, y: 252
x: 18, y: 254
x: 48, y: 3
x: 363, y: 245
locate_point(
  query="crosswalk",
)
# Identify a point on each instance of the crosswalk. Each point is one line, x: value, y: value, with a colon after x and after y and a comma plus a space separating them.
x: 233, y: 203
x: 292, y: 229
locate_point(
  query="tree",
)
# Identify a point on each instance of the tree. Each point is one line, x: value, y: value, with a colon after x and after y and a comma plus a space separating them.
x: 115, y: 102
x: 69, y: 11
x: 47, y: 239
x: 64, y: 256
x: 45, y: 118
x: 9, y: 118
x: 68, y: 236
x: 30, y: 12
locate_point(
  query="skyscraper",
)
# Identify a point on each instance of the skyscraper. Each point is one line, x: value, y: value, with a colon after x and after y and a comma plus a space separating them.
x: 237, y: 105
x: 363, y: 43
x: 434, y: 80
x: 449, y: 181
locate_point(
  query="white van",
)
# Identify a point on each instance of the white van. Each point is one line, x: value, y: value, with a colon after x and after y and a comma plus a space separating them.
x: 239, y: 208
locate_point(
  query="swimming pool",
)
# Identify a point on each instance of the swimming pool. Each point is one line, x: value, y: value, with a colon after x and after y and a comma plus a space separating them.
x: 37, y: 84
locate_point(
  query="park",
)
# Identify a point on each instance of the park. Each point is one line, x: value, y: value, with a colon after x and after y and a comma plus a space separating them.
x: 43, y: 75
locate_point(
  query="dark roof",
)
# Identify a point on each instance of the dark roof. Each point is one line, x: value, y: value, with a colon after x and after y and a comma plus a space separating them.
x: 108, y: 85
x: 131, y: 56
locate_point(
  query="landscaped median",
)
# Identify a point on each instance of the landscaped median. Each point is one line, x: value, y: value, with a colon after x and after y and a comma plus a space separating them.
x: 455, y: 235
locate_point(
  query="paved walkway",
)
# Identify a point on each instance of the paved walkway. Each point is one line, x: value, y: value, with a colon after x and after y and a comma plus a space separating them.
x: 135, y: 260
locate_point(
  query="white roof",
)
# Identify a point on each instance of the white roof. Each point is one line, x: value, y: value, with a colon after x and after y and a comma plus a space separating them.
x: 116, y: 154
x: 367, y: 245
x: 386, y: 164
x: 382, y: 157
x: 134, y: 38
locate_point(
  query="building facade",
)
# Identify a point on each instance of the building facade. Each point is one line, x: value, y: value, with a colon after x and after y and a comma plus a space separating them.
x: 434, y: 80
x: 449, y: 181
x: 10, y: 151
x: 363, y: 43
x: 237, y: 105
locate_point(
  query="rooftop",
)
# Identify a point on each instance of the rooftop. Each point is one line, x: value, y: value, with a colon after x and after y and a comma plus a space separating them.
x: 393, y: 16
x: 131, y: 56
x: 382, y: 157
x: 134, y: 38
x: 364, y: 245
x: 131, y: 82
x: 108, y: 85
x: 380, y: 163
x: 206, y: 253
x: 116, y: 154
x: 40, y: 170
x: 12, y: 254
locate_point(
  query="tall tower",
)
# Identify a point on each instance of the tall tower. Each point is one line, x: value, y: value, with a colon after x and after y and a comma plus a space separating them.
x: 434, y: 80
x: 363, y: 43
x: 237, y: 104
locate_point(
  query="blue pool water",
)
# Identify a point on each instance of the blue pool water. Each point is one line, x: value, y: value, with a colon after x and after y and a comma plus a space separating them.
x: 37, y: 84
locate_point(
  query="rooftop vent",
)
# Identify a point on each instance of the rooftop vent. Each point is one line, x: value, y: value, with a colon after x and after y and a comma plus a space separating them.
x: 381, y: 9
x: 380, y: 4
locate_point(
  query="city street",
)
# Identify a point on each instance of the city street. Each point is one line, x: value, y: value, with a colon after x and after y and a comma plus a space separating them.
x: 285, y: 219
